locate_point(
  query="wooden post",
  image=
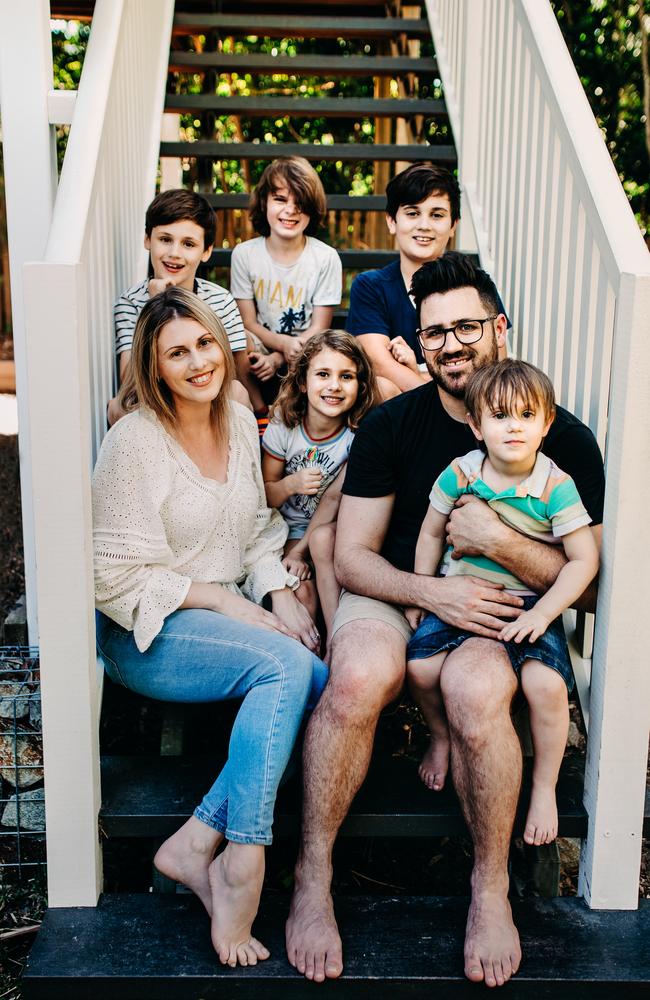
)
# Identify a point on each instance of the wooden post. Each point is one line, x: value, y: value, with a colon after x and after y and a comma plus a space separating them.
x: 617, y: 750
x: 30, y: 186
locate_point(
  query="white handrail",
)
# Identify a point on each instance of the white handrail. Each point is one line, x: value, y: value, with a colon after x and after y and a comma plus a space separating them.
x: 553, y: 226
x: 93, y: 252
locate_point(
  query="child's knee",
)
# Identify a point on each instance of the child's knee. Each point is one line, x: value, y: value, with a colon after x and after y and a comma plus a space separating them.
x: 541, y: 683
x: 421, y: 673
x: 321, y: 542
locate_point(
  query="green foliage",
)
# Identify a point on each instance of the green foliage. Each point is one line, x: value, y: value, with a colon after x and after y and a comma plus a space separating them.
x: 337, y: 177
x: 69, y: 43
x: 604, y: 39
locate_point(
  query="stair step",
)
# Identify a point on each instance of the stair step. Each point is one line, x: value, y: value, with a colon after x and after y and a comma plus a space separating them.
x: 152, y: 796
x: 268, y: 25
x: 311, y: 65
x: 353, y: 260
x: 307, y: 107
x: 366, y: 151
x: 335, y: 202
x: 144, y: 946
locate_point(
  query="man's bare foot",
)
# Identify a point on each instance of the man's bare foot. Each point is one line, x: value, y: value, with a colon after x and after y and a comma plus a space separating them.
x: 541, y: 821
x: 435, y: 763
x: 313, y: 941
x: 185, y: 857
x: 236, y: 878
x: 492, y: 950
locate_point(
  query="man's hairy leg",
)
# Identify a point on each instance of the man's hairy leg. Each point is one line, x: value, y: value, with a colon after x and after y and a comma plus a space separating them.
x: 478, y: 685
x: 366, y: 673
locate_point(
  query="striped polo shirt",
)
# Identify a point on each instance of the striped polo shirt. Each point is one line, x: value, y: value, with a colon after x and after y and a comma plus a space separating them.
x: 545, y: 506
x: 128, y: 306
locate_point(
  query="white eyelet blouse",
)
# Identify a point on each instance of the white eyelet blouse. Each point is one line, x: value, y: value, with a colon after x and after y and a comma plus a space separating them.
x: 159, y: 525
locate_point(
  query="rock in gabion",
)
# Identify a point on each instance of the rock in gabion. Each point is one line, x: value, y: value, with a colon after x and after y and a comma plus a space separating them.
x: 14, y: 698
x: 21, y: 758
x: 32, y: 810
x: 35, y: 715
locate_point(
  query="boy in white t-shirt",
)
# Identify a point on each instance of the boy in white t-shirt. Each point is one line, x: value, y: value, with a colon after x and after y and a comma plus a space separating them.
x: 285, y: 281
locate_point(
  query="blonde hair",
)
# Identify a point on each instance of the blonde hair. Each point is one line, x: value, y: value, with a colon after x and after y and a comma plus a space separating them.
x: 144, y: 386
x: 291, y: 404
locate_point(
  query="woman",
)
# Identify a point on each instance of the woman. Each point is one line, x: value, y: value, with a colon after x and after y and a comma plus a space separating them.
x: 185, y: 551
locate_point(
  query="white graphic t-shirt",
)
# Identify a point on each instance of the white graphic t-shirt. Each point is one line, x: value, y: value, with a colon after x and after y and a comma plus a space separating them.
x: 285, y: 296
x: 298, y: 451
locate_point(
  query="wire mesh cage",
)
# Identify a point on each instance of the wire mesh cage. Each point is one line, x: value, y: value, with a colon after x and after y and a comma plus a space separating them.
x: 22, y: 801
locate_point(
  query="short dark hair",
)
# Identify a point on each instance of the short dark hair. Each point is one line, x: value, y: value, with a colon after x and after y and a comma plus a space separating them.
x: 178, y: 204
x: 453, y: 270
x: 297, y: 174
x: 417, y: 182
x: 501, y: 385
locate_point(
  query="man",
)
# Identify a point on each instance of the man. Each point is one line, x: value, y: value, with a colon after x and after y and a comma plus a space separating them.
x: 398, y: 452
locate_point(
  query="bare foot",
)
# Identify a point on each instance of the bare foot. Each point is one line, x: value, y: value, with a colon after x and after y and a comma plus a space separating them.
x: 435, y: 763
x: 236, y: 878
x: 541, y: 821
x: 313, y: 941
x: 185, y: 857
x: 492, y: 950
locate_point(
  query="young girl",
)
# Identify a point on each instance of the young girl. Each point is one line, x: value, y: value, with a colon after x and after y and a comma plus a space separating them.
x: 510, y: 408
x: 305, y: 447
x: 285, y: 281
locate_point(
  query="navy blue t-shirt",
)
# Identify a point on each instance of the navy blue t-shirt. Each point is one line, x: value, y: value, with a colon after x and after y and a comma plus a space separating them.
x: 403, y: 445
x: 380, y: 303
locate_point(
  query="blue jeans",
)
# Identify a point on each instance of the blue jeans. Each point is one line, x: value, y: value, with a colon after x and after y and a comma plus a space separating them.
x: 203, y: 656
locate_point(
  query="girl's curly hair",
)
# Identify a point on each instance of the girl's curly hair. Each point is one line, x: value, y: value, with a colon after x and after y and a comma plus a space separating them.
x: 291, y: 404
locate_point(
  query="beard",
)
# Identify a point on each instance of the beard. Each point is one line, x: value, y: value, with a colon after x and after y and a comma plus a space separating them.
x: 454, y: 383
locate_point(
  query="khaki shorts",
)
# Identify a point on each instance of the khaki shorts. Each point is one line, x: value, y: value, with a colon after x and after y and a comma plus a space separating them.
x: 353, y: 608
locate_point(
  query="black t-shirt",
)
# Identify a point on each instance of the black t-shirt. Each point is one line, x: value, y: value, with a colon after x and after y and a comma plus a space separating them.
x: 402, y: 447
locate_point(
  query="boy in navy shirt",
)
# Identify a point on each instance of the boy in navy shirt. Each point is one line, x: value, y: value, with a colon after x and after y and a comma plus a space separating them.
x: 422, y: 211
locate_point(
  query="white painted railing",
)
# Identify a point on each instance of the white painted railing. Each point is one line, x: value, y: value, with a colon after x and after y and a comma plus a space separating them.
x: 552, y: 224
x: 93, y: 252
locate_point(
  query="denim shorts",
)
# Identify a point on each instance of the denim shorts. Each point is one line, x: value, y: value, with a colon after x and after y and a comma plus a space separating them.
x: 435, y: 636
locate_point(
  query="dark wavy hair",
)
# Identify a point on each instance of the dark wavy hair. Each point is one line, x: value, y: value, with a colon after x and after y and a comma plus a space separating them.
x: 291, y: 405
x: 143, y: 385
x: 417, y: 182
x: 177, y: 205
x: 453, y: 270
x: 297, y: 174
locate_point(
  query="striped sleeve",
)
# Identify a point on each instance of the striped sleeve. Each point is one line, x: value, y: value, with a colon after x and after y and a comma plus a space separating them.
x: 223, y: 304
x: 565, y: 508
x: 447, y: 488
x: 125, y: 313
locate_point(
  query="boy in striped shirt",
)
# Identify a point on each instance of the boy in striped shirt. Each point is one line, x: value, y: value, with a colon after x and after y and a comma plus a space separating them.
x: 510, y: 408
x: 179, y: 235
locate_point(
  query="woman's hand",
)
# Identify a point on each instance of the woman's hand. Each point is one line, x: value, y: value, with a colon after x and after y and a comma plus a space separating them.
x: 214, y: 597
x: 295, y: 616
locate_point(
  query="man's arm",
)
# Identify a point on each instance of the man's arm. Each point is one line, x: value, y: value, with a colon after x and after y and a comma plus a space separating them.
x: 463, y: 601
x: 377, y: 347
x: 475, y: 529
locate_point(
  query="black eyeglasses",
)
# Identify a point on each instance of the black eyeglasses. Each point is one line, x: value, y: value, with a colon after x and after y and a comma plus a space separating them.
x: 467, y: 331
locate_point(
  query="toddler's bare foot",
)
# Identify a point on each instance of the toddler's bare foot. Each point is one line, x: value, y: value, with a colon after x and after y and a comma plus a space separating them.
x: 236, y: 878
x: 185, y: 857
x: 435, y: 763
x: 541, y: 821
x: 492, y: 950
